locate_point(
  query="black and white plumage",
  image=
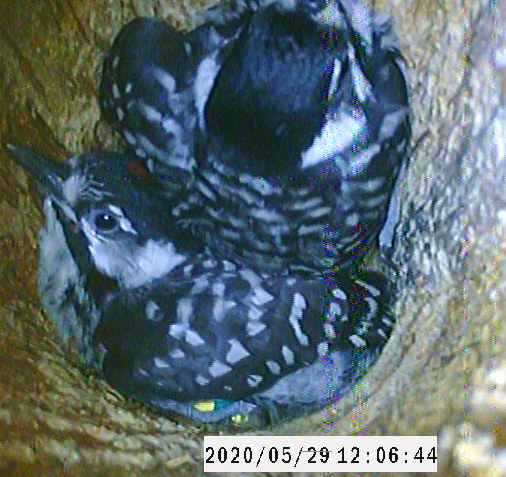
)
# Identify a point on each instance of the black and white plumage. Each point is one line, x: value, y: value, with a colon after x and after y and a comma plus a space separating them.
x: 170, y: 324
x: 156, y: 71
x: 302, y: 126
x: 147, y: 92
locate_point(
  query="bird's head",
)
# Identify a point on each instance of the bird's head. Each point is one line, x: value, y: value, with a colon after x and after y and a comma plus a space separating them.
x: 114, y: 217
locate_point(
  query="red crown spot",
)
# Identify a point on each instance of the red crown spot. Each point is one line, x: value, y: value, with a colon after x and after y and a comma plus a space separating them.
x: 139, y: 171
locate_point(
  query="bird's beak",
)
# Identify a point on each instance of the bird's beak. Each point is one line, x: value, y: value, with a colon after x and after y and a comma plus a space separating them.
x: 49, y: 173
x: 50, y: 176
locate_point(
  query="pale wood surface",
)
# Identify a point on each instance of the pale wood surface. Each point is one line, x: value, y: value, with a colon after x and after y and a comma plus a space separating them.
x: 433, y: 378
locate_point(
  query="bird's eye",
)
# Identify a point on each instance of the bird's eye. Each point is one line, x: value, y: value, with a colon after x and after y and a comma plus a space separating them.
x: 105, y: 222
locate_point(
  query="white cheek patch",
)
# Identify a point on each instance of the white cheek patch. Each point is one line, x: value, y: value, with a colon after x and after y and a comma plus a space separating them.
x: 132, y: 265
x: 154, y: 260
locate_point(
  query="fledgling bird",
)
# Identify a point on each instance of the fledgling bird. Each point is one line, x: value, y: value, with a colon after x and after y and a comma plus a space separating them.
x: 168, y: 323
x: 302, y: 126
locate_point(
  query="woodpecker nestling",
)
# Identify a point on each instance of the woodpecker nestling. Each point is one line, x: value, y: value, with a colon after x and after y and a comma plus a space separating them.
x: 303, y: 124
x: 147, y: 91
x: 155, y: 67
x: 170, y: 324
